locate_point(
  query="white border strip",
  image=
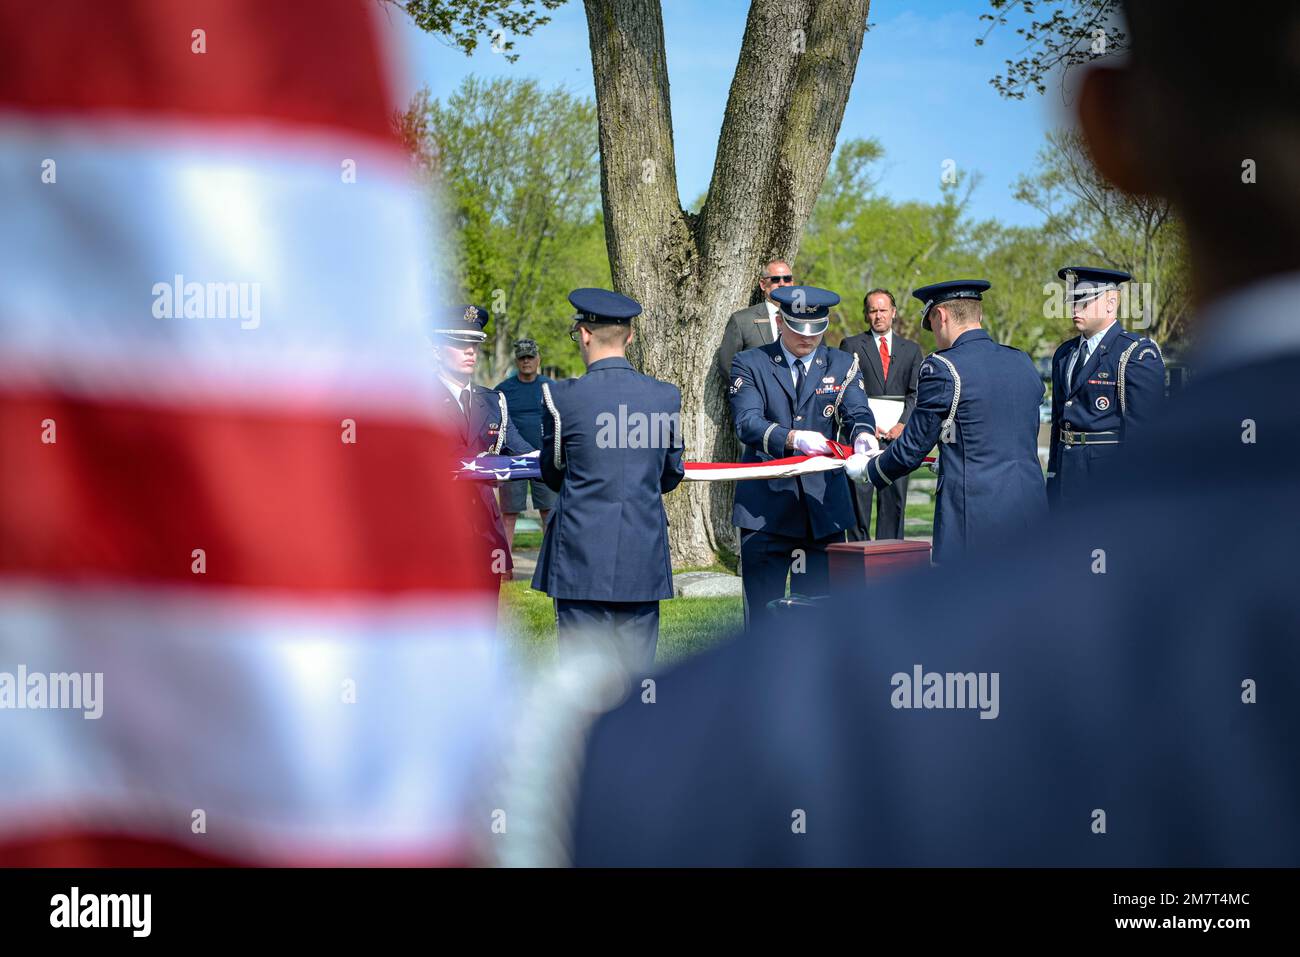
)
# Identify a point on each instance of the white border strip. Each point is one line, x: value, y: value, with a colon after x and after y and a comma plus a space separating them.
x: 334, y: 274
x: 236, y: 706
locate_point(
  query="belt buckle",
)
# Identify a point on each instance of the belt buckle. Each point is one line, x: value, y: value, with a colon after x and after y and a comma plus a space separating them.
x: 1083, y: 438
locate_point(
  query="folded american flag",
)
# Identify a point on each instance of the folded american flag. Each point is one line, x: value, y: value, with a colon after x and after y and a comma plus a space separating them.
x: 500, y: 468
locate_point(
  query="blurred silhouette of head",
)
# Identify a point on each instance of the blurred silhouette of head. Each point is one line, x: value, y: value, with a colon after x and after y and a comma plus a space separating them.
x: 1219, y: 142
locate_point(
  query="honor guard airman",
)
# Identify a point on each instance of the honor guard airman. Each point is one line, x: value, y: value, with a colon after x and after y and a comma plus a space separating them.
x: 612, y: 447
x: 1105, y: 382
x: 788, y: 398
x: 979, y: 401
x: 483, y: 424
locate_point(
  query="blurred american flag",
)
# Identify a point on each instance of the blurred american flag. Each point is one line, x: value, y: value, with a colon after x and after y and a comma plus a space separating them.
x: 299, y: 665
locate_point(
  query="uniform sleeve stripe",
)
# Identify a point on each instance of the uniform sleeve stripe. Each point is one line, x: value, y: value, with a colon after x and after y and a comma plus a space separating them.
x: 879, y: 474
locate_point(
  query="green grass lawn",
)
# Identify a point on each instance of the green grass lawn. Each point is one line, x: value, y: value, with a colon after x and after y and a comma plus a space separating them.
x: 686, y: 625
x: 527, y: 540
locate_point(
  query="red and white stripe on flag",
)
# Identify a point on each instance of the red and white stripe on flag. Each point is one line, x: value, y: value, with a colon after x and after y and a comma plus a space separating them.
x: 790, y: 467
x: 297, y: 656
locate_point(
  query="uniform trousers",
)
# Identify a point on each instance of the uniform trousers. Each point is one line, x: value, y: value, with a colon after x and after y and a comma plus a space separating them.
x: 766, y: 559
x: 632, y: 626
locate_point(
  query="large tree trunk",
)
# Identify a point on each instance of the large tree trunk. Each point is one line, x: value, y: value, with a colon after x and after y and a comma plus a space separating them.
x: 690, y: 273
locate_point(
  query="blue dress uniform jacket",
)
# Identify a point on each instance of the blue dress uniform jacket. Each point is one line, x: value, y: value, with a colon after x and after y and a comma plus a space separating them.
x: 489, y: 431
x: 904, y: 368
x: 1127, y: 693
x: 990, y: 481
x: 612, y: 447
x: 766, y: 410
x: 1121, y: 386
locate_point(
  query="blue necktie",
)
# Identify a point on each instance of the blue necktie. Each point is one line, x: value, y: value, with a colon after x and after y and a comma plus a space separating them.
x: 799, y: 373
x: 1079, y: 363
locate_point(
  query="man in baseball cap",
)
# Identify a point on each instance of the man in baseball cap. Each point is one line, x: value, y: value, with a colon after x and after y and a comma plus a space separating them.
x: 523, y: 392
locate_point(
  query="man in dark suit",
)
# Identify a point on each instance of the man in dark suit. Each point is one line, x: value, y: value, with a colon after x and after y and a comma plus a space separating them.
x: 759, y: 324
x: 1149, y: 684
x: 612, y: 447
x: 890, y: 365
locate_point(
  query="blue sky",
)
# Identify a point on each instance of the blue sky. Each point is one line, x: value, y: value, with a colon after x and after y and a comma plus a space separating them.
x: 921, y: 88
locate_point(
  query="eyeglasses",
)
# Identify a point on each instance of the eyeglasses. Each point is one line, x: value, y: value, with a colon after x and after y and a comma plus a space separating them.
x: 573, y: 333
x: 786, y: 278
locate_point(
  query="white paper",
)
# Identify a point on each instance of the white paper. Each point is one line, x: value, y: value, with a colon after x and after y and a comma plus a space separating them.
x: 887, y: 412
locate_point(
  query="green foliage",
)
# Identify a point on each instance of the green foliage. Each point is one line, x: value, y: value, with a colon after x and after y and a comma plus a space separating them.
x: 463, y: 22
x: 857, y: 240
x: 1019, y: 261
x: 519, y: 173
x: 1095, y: 223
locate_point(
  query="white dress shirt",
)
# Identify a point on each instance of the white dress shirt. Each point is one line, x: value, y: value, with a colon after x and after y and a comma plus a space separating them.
x: 771, y: 317
x: 791, y: 360
x: 889, y: 342
x: 455, y: 388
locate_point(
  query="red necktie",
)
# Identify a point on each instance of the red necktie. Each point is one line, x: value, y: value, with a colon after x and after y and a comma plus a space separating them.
x: 884, y: 357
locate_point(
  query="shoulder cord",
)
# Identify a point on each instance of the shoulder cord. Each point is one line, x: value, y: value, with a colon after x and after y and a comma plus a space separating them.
x: 505, y: 423
x: 839, y: 396
x: 945, y: 433
x: 1123, y: 364
x: 555, y: 414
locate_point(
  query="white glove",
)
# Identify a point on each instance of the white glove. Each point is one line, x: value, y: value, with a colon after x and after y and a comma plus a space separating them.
x: 810, y: 443
x: 866, y: 442
x: 855, y: 466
